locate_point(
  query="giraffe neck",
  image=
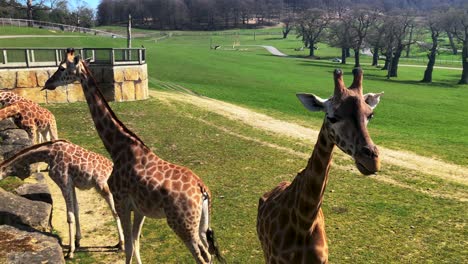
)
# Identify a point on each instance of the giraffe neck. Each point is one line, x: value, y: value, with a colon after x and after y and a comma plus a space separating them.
x: 30, y: 155
x: 113, y: 133
x: 309, y: 185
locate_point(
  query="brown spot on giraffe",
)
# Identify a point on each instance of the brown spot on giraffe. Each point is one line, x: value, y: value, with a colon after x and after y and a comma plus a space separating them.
x: 129, y: 155
x: 290, y: 221
x: 68, y: 170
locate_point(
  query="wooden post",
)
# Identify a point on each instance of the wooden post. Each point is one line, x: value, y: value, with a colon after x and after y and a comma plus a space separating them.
x: 26, y: 54
x: 129, y: 37
x: 5, y: 57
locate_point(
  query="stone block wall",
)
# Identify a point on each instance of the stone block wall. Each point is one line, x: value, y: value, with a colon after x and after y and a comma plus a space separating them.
x: 117, y: 83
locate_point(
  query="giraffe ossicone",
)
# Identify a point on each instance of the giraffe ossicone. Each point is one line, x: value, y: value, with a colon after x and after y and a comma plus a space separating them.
x: 290, y: 221
x: 141, y: 182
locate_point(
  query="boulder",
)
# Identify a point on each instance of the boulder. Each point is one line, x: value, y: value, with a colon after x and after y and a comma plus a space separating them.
x: 28, y: 246
x: 19, y: 211
x: 35, y: 192
x: 13, y: 140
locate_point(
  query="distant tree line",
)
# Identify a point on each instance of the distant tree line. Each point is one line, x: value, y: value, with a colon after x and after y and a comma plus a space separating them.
x: 55, y: 11
x: 388, y: 35
x: 223, y: 14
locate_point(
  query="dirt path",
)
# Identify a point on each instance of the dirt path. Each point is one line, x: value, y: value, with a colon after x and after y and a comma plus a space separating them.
x: 403, y: 159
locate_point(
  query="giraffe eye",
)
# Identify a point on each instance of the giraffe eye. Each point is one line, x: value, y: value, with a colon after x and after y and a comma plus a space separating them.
x: 332, y: 119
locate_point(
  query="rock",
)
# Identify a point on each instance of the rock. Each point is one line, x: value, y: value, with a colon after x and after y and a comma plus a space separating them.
x: 13, y: 140
x: 28, y: 246
x: 35, y: 192
x: 18, y: 211
x: 26, y: 79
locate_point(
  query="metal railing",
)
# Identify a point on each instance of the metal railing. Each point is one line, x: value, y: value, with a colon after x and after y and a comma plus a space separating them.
x: 50, y: 57
x: 55, y: 26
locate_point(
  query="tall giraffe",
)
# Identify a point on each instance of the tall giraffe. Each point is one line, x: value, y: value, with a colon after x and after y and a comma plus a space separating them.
x: 141, y: 181
x: 70, y: 166
x: 290, y: 221
x: 38, y: 122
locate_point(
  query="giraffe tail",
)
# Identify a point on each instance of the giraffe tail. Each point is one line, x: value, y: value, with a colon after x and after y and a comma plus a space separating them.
x: 210, y: 238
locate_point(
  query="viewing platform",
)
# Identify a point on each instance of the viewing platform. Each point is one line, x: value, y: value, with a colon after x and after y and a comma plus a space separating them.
x: 121, y: 73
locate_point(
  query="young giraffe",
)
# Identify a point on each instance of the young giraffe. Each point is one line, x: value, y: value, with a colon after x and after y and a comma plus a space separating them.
x: 70, y: 166
x: 290, y: 222
x: 38, y: 122
x: 8, y: 98
x: 141, y: 181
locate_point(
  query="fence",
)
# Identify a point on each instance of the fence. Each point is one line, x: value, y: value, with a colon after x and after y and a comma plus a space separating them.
x: 56, y: 26
x: 50, y: 57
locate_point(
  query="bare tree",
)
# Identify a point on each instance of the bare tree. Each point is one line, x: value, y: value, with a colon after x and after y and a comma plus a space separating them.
x: 310, y: 27
x: 433, y: 22
x: 456, y: 21
x: 288, y: 23
x: 340, y: 37
x: 375, y: 38
x: 359, y: 19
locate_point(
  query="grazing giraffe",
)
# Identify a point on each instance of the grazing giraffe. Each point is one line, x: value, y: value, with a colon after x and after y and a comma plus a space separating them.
x: 8, y: 98
x: 290, y: 221
x: 70, y: 166
x: 38, y: 122
x: 141, y: 181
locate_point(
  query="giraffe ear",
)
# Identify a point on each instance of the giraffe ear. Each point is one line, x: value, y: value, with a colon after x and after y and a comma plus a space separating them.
x: 373, y: 99
x: 312, y: 102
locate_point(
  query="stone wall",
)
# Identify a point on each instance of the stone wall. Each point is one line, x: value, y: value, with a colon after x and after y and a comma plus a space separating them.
x: 117, y: 83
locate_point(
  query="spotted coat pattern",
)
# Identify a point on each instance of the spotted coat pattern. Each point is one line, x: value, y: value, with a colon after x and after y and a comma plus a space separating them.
x: 70, y: 166
x: 38, y: 122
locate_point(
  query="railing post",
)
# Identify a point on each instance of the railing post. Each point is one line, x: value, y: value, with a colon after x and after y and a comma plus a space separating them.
x: 26, y: 53
x: 33, y: 56
x: 56, y: 57
x: 5, y: 57
x: 112, y: 55
x: 140, y: 56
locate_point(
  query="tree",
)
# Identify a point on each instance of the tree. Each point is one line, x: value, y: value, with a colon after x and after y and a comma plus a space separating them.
x: 375, y: 38
x: 359, y: 19
x: 288, y: 23
x: 310, y: 27
x: 456, y: 22
x: 433, y: 22
x: 340, y: 37
x: 397, y: 28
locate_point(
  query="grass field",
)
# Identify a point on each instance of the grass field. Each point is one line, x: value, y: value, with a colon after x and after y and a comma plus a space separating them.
x: 368, y: 220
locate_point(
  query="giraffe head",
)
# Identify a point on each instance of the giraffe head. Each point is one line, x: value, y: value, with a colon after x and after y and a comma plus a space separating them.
x: 71, y: 69
x: 347, y: 114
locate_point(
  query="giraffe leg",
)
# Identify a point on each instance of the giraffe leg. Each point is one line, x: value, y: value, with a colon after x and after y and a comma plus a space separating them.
x: 138, y: 220
x: 77, y: 218
x: 71, y: 222
x: 189, y: 233
x: 105, y: 192
x: 124, y: 210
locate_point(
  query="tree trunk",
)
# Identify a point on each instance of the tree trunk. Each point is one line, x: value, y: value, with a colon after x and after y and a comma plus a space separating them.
x: 452, y: 43
x: 356, y: 58
x: 343, y: 55
x: 464, y: 77
x: 29, y: 6
x: 286, y: 32
x: 348, y: 53
x: 311, y: 50
x: 394, y: 65
x: 409, y: 42
x: 432, y: 58
x: 375, y: 56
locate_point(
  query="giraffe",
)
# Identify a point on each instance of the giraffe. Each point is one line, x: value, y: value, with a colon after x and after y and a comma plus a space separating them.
x: 38, y: 122
x: 290, y: 221
x: 70, y: 166
x: 141, y: 181
x: 7, y: 98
